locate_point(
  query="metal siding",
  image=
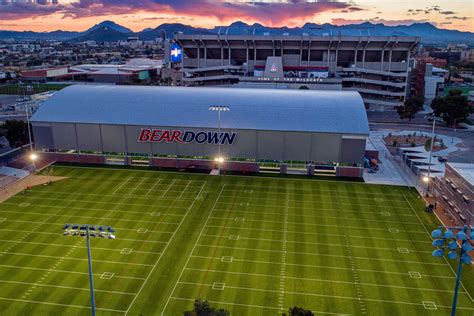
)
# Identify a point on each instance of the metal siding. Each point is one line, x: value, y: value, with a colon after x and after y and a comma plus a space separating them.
x: 352, y: 150
x: 88, y: 136
x: 113, y: 138
x: 270, y: 145
x: 325, y: 147
x: 43, y: 137
x: 297, y: 146
x: 132, y: 133
x: 64, y: 136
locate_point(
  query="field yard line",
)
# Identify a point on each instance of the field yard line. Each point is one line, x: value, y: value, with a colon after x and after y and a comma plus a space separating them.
x: 121, y: 185
x: 324, y: 267
x: 253, y: 306
x: 69, y: 246
x: 318, y: 234
x: 324, y: 295
x: 58, y: 304
x: 200, y: 191
x: 159, y: 258
x: 153, y: 186
x: 139, y: 182
x: 91, y: 209
x: 184, y: 190
x: 305, y: 215
x: 65, y: 287
x: 127, y: 239
x: 84, y: 216
x: 323, y: 280
x: 319, y: 254
x: 311, y: 216
x: 66, y: 271
x: 308, y: 208
x: 312, y: 224
x: 316, y: 243
x: 308, y: 193
x: 192, y: 250
x: 427, y: 231
x: 169, y: 187
x: 77, y: 259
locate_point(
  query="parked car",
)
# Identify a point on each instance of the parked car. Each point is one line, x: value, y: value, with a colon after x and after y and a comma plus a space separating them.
x: 442, y: 159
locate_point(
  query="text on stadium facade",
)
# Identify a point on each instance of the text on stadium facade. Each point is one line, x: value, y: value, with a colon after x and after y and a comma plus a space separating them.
x: 148, y: 135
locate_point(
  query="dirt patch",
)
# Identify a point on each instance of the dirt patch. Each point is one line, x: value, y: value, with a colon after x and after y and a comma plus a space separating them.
x: 412, y: 141
x: 21, y: 185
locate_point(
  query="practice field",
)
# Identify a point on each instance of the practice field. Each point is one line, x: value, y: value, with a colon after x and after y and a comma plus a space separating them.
x: 252, y: 245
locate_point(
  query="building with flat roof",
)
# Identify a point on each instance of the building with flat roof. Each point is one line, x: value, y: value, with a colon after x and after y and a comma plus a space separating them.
x: 455, y: 193
x: 378, y: 67
x: 320, y: 128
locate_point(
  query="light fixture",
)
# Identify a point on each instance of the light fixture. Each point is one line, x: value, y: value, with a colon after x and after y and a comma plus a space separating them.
x: 426, y: 179
x: 33, y: 156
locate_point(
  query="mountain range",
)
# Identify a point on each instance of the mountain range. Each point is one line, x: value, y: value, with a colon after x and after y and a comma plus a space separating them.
x: 109, y: 31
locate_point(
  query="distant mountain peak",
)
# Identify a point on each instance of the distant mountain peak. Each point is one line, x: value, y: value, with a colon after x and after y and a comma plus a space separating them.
x: 110, y: 24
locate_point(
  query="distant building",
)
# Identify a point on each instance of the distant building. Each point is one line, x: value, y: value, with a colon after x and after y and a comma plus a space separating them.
x: 377, y: 67
x: 455, y: 193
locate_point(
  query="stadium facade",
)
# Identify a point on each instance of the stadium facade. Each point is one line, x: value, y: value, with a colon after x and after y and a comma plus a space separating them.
x: 176, y: 127
x: 378, y: 67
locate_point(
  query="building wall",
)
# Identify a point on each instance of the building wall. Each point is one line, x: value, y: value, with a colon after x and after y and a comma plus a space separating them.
x: 250, y: 144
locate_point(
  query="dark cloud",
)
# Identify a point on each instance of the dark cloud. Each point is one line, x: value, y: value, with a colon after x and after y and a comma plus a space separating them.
x: 462, y: 18
x: 447, y: 12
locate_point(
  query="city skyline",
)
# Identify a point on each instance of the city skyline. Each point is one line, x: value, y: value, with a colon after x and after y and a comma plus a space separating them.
x: 78, y: 15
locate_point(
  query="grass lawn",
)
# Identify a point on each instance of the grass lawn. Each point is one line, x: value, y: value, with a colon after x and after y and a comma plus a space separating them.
x: 36, y: 88
x: 252, y: 245
x: 465, y: 89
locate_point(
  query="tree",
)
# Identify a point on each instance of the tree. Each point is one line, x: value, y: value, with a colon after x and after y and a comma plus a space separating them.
x: 303, y: 88
x: 412, y: 105
x: 203, y: 308
x: 454, y: 106
x: 298, y: 311
x: 16, y: 132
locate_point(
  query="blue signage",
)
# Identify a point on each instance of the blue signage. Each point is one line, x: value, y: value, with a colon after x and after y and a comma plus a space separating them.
x: 176, y: 53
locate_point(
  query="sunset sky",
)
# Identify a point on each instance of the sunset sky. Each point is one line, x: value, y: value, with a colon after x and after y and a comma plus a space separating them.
x: 78, y: 15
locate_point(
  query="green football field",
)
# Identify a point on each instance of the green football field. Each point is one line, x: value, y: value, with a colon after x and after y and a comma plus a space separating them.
x: 252, y: 245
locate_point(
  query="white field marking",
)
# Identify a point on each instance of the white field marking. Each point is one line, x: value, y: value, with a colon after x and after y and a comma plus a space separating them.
x: 252, y: 306
x: 260, y: 262
x: 321, y: 295
x: 126, y: 251
x: 2, y: 219
x: 405, y: 250
x: 319, y: 254
x: 69, y: 246
x: 264, y: 212
x: 354, y: 227
x: 237, y: 219
x: 227, y: 259
x: 84, y: 216
x: 107, y: 276
x: 200, y: 191
x: 312, y: 224
x: 155, y: 214
x: 159, y: 258
x: 139, y: 183
x: 192, y: 250
x: 309, y: 243
x: 385, y: 213
x: 394, y: 230
x: 66, y: 287
x: 317, y: 234
x: 218, y: 286
x: 65, y: 271
x: 414, y: 274
x: 121, y: 184
x: 169, y: 187
x: 153, y: 186
x: 323, y: 280
x: 184, y: 190
x: 77, y: 259
x: 126, y: 239
x: 427, y: 231
x: 24, y: 204
x: 143, y: 231
x: 429, y: 305
x: 57, y: 304
x: 92, y: 209
x: 308, y: 194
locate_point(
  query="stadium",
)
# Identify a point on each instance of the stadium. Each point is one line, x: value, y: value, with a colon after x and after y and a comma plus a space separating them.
x: 180, y: 128
x: 110, y: 221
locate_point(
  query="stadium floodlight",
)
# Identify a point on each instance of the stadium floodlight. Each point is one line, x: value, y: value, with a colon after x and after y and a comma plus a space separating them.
x: 426, y: 179
x: 464, y: 236
x: 89, y: 231
x: 33, y: 157
x: 219, y: 109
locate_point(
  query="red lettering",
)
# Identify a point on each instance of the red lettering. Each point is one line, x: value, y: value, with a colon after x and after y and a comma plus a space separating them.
x: 144, y: 135
x: 155, y: 136
x: 166, y: 136
x: 176, y: 137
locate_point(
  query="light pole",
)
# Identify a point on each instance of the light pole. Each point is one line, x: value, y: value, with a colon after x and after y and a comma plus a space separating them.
x: 464, y: 235
x: 427, y: 179
x: 219, y: 109
x: 89, y: 231
x: 33, y: 156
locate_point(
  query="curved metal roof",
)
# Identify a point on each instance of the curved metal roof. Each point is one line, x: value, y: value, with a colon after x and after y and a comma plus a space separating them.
x: 260, y: 109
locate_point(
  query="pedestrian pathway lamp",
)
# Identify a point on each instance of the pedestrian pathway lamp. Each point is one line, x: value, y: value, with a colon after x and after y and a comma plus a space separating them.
x: 455, y: 241
x: 87, y: 231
